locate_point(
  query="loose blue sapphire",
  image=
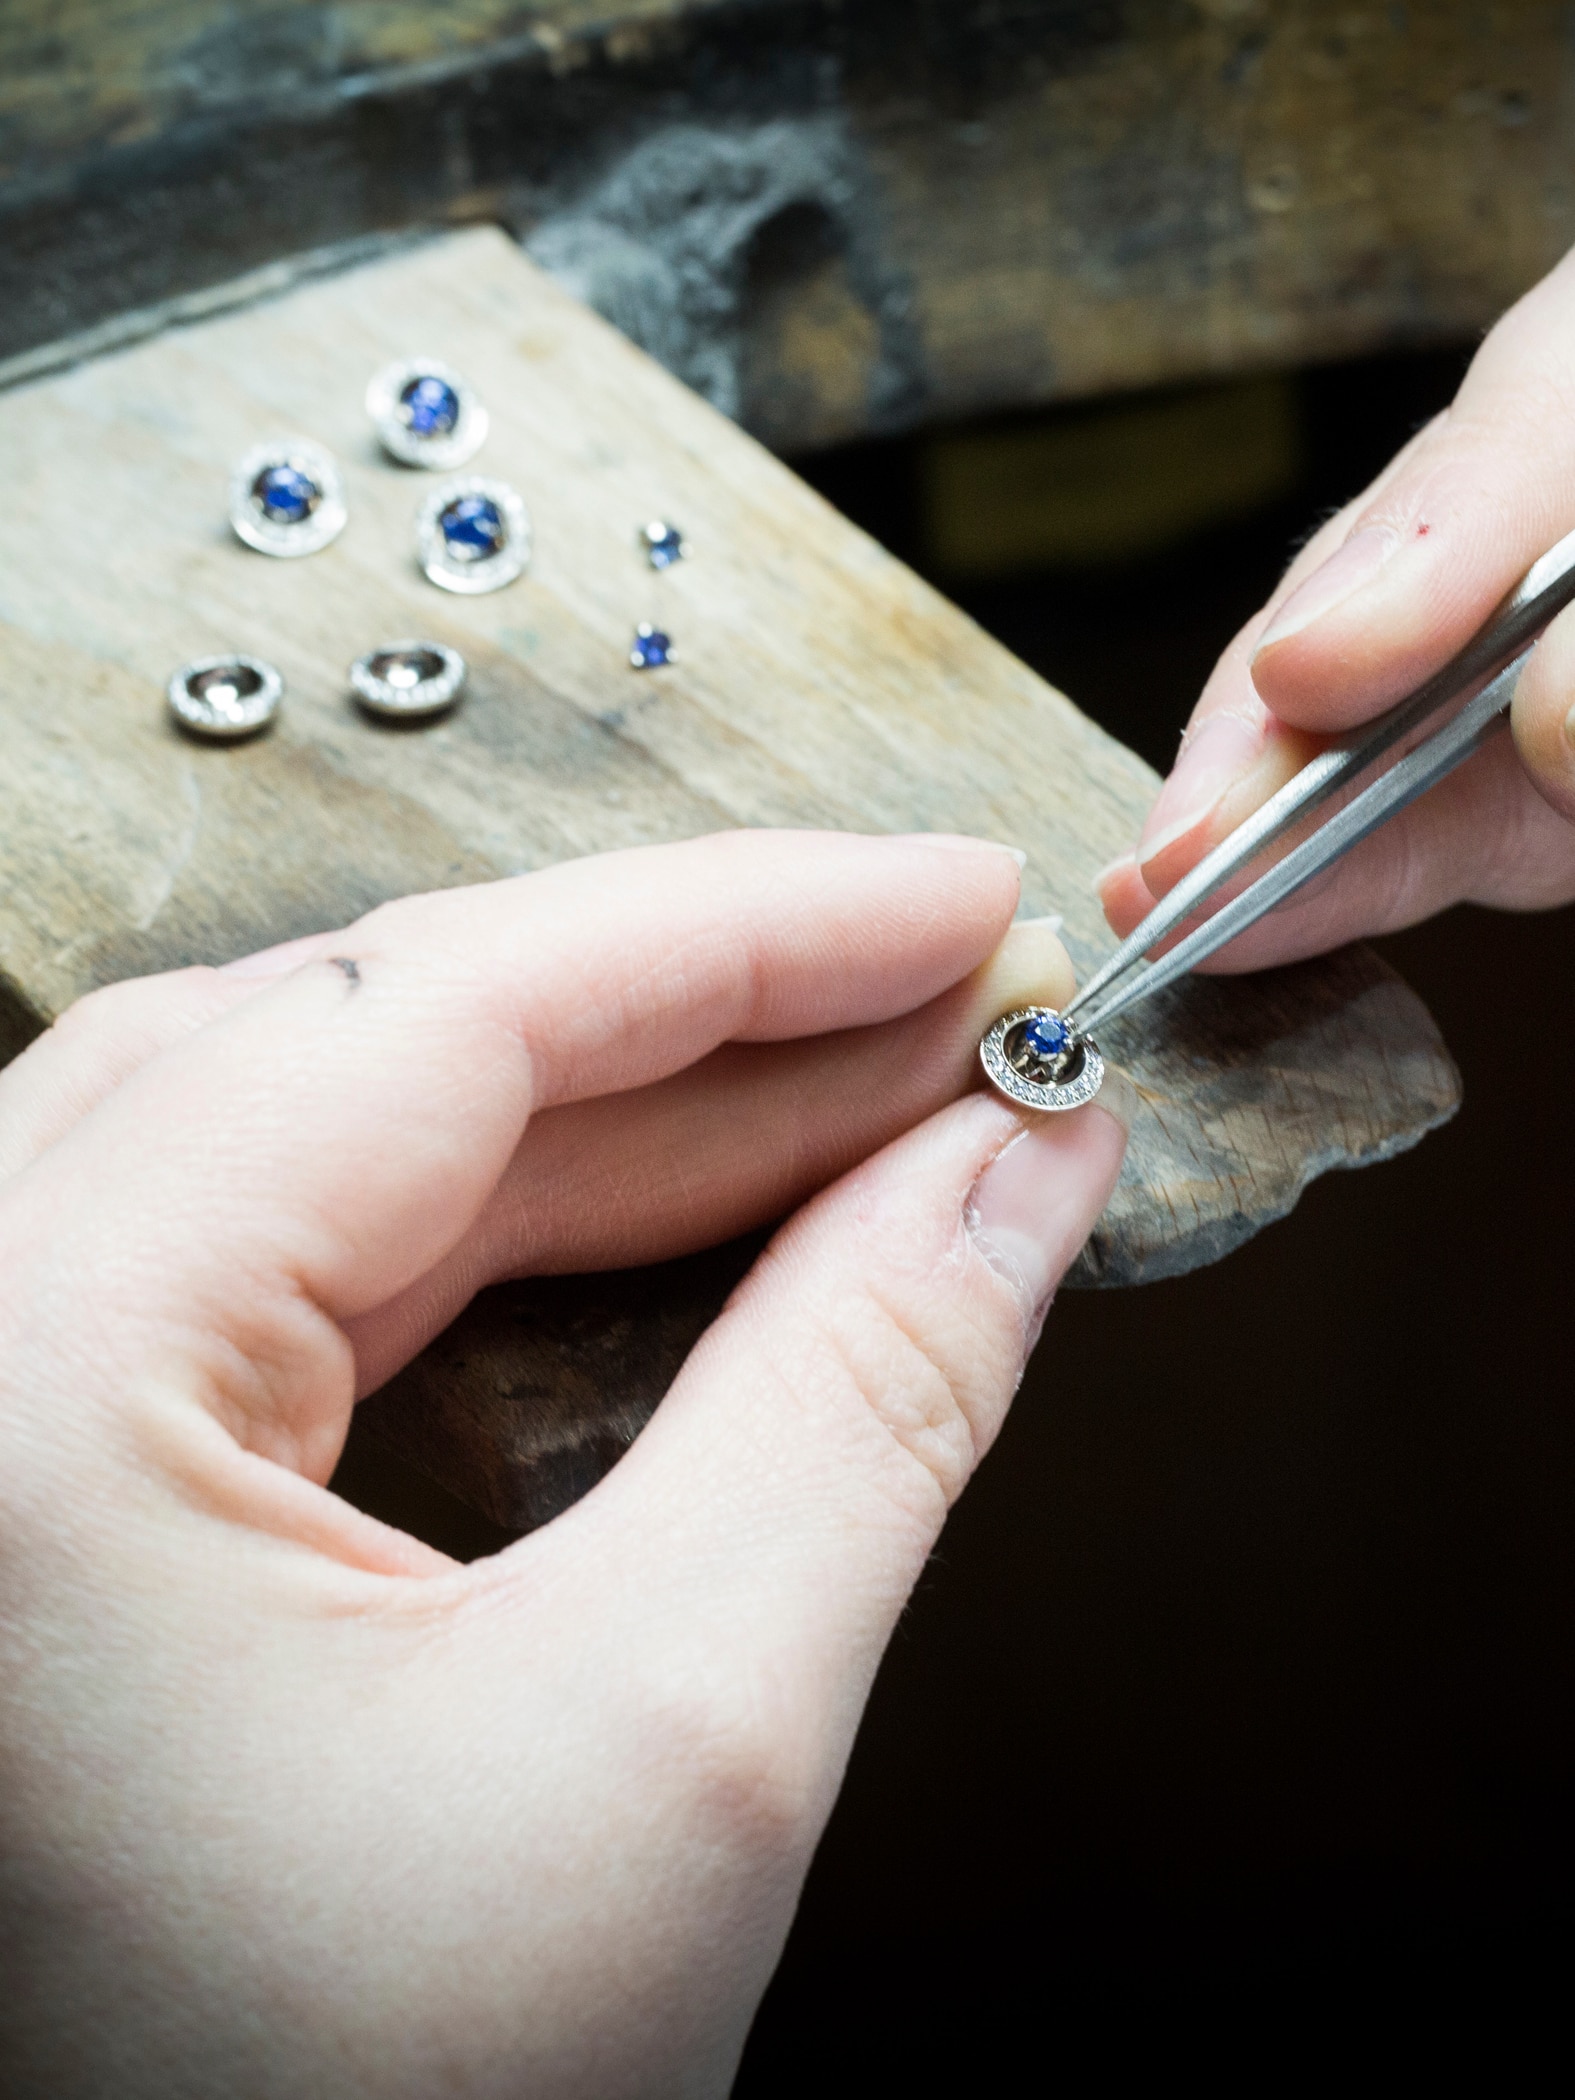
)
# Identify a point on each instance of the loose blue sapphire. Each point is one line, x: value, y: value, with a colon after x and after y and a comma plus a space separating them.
x: 651, y: 648
x: 1047, y: 1036
x: 285, y: 495
x: 472, y: 528
x: 664, y: 544
x: 431, y: 407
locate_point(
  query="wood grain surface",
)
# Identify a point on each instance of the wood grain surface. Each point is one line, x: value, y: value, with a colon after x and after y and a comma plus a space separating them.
x: 829, y: 216
x: 820, y: 683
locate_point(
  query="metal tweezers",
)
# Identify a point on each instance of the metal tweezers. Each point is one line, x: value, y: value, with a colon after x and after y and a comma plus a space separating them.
x: 1486, y: 670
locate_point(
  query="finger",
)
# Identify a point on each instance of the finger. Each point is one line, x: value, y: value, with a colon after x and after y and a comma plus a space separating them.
x: 765, y: 1530
x: 95, y: 1045
x: 1390, y: 589
x: 1425, y: 561
x: 1235, y: 751
x: 1482, y: 835
x: 1543, y: 716
x: 739, y: 1139
x: 310, y: 1154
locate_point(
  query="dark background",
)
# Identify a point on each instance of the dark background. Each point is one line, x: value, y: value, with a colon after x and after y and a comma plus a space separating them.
x: 1232, y: 1722
x: 1231, y: 1725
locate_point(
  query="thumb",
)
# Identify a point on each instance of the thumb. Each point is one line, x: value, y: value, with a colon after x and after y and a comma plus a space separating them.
x: 763, y: 1534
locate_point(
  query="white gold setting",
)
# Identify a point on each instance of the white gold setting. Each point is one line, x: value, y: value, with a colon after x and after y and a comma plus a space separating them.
x: 426, y: 415
x: 405, y: 681
x: 473, y: 535
x: 287, y: 497
x: 224, y: 698
x: 1032, y: 1081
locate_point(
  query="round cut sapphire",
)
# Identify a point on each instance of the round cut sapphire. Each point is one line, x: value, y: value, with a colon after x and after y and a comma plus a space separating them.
x: 664, y: 544
x: 430, y: 406
x: 472, y: 528
x: 651, y: 648
x: 1048, y: 1037
x: 285, y: 495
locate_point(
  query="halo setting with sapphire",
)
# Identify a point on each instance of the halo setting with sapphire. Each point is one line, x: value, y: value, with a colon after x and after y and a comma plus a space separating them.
x: 1039, y: 1060
x: 287, y: 498
x: 473, y: 535
x: 425, y: 414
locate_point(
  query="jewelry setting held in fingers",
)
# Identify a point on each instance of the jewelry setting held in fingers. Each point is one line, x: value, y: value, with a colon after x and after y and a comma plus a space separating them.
x: 1039, y: 1060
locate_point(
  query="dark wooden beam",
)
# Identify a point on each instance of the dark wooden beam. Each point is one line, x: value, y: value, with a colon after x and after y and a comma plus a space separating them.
x: 831, y: 216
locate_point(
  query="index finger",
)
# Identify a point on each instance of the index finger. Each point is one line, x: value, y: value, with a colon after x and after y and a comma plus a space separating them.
x: 333, y: 1137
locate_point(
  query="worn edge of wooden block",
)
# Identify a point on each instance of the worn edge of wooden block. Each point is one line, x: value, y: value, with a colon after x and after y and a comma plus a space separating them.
x: 1248, y: 1089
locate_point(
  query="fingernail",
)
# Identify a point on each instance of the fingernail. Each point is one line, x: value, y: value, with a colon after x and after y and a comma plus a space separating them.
x: 1051, y: 921
x: 1027, y: 1215
x: 1346, y: 570
x: 274, y: 962
x: 958, y: 842
x: 1569, y: 728
x: 1215, y: 755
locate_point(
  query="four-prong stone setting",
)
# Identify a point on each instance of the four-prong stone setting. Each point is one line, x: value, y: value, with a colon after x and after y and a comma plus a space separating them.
x: 473, y: 536
x: 663, y: 543
x: 425, y: 414
x: 651, y: 649
x: 287, y: 498
x: 1038, y: 1060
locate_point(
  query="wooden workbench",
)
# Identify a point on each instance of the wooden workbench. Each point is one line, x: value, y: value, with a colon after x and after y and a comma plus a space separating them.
x: 821, y: 683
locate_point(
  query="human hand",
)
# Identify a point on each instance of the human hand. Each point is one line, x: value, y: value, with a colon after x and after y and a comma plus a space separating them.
x: 1378, y: 600
x: 291, y: 1804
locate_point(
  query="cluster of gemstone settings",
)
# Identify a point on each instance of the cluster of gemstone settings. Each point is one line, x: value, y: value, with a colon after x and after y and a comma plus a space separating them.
x: 1038, y: 1060
x: 425, y: 414
x: 287, y: 498
x: 473, y: 535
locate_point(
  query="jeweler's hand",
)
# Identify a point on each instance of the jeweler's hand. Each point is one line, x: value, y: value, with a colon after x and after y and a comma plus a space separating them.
x: 1379, y: 599
x: 291, y: 1804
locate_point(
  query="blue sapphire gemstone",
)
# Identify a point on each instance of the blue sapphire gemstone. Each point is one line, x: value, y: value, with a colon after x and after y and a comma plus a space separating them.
x: 664, y: 544
x: 431, y: 407
x: 1047, y: 1037
x: 651, y: 648
x: 285, y: 495
x: 472, y: 528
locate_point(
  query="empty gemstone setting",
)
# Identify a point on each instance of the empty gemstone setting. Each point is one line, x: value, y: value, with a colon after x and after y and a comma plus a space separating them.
x: 287, y: 498
x: 425, y: 414
x: 225, y: 698
x: 407, y: 681
x: 473, y: 535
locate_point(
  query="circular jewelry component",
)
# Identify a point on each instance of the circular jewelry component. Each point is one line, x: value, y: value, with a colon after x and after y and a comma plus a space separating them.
x: 224, y: 698
x: 426, y: 415
x: 651, y: 648
x: 286, y: 497
x: 403, y: 681
x: 1040, y: 1061
x: 473, y: 535
x: 664, y: 544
